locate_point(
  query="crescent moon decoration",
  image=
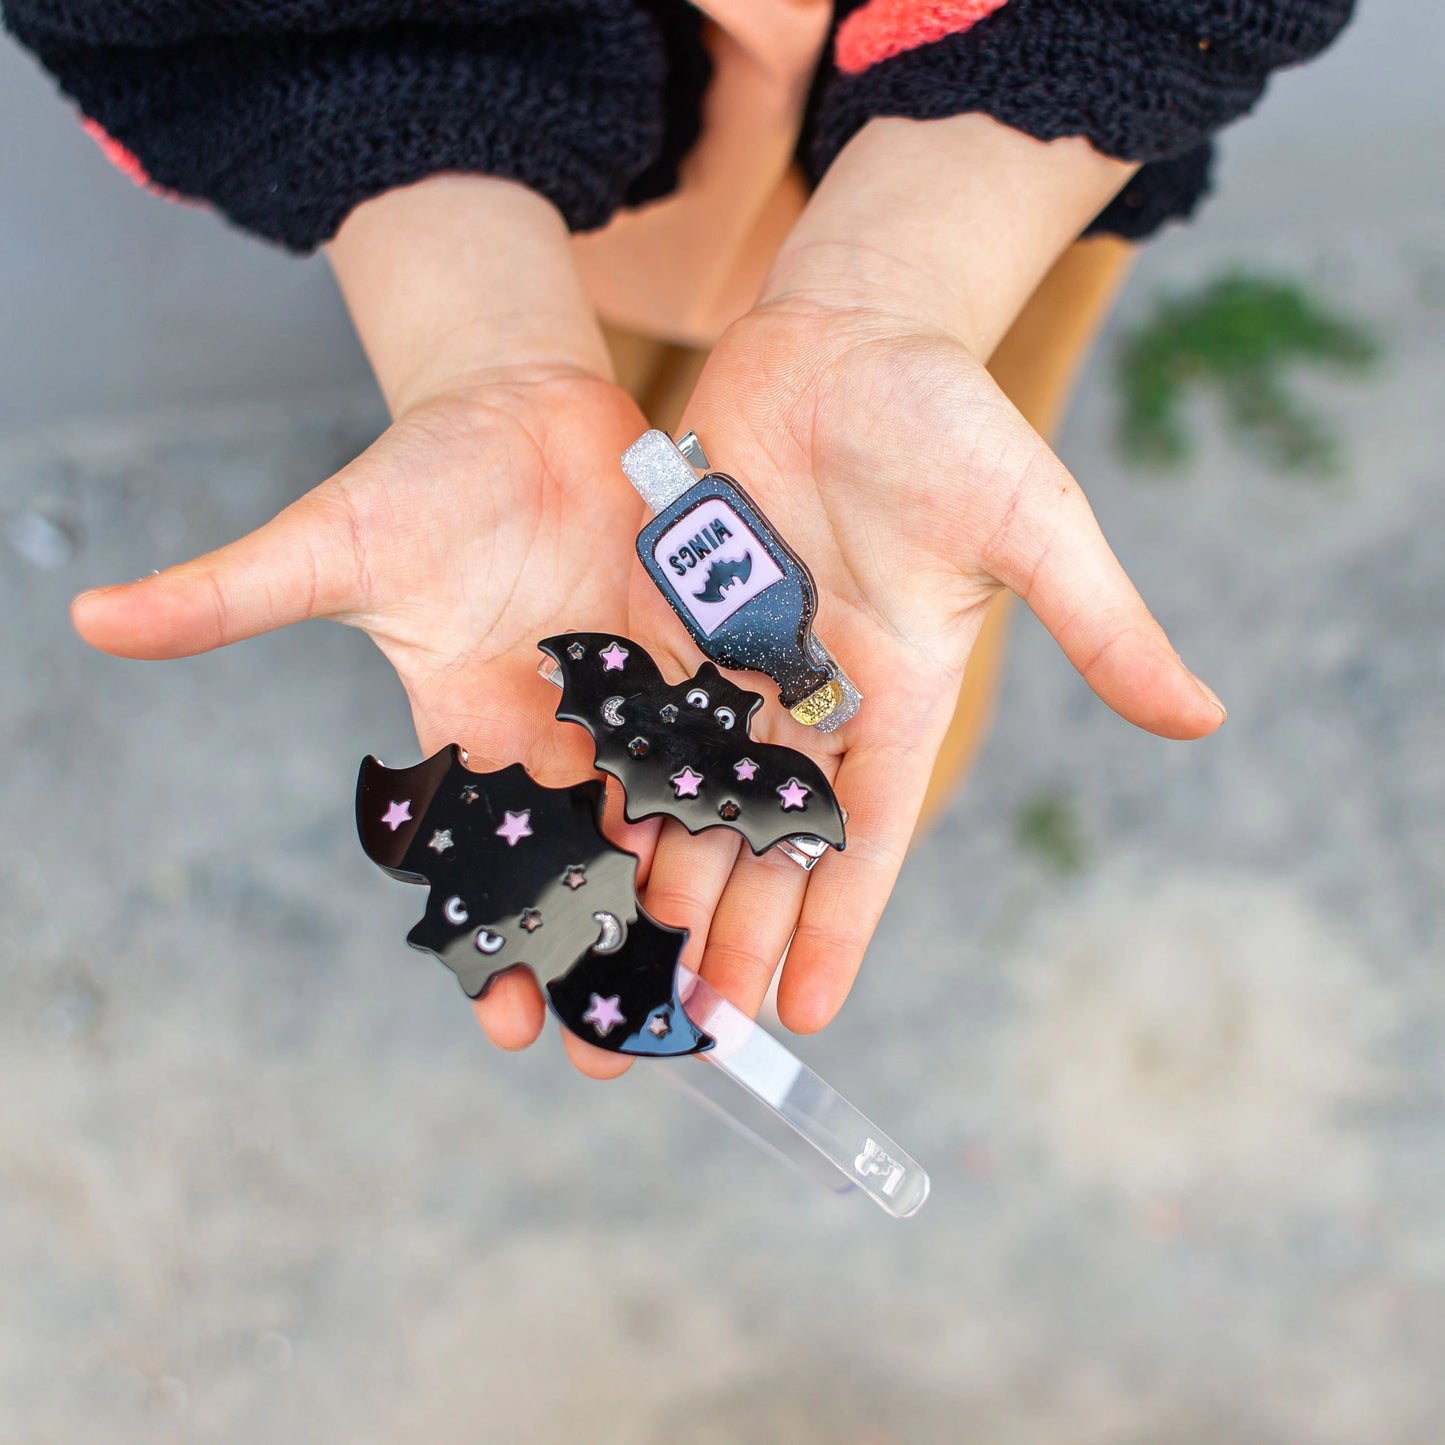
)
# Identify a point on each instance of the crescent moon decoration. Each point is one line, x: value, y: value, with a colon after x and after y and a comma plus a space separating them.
x: 493, y: 890
x: 609, y: 933
x: 654, y: 733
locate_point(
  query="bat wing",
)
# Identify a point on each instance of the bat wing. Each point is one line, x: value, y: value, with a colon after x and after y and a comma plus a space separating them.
x: 520, y: 875
x: 722, y: 574
x: 627, y: 1000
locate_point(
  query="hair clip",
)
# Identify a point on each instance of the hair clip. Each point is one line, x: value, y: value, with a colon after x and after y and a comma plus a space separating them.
x: 683, y: 750
x: 745, y: 596
x: 521, y: 876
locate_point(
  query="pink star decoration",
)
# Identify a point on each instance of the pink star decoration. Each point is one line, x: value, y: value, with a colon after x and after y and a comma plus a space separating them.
x: 604, y: 1014
x: 397, y: 814
x: 613, y: 657
x: 515, y: 826
x: 686, y: 783
x: 745, y: 770
x: 793, y: 794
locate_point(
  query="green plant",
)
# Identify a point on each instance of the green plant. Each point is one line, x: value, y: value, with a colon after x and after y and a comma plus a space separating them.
x: 1238, y: 334
x: 1047, y: 828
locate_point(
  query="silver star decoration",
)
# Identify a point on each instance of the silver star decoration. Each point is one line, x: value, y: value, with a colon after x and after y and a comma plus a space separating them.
x: 441, y: 840
x: 531, y: 920
x: 575, y: 877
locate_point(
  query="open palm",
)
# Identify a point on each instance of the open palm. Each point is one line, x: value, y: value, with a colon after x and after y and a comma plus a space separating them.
x: 887, y: 456
x: 485, y: 518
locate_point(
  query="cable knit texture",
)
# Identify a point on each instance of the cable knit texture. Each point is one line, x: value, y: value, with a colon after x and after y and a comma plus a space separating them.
x: 286, y: 114
x: 1143, y: 80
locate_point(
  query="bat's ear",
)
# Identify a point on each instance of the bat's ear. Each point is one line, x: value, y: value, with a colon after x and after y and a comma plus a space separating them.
x: 392, y: 802
x: 597, y: 665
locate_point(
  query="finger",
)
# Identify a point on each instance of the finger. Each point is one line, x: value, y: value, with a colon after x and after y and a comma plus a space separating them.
x: 688, y: 876
x: 512, y: 1011
x: 751, y: 926
x: 594, y: 1062
x: 1053, y: 554
x: 306, y: 562
x: 884, y: 789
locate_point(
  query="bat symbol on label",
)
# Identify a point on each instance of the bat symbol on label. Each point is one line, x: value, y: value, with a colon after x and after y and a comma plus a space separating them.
x: 722, y: 574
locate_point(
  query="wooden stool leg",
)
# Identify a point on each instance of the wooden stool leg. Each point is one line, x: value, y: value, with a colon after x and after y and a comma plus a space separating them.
x: 658, y: 375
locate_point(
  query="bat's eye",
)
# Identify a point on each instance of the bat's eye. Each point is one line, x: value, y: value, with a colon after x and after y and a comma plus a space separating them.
x: 725, y: 716
x: 697, y: 698
x: 455, y: 911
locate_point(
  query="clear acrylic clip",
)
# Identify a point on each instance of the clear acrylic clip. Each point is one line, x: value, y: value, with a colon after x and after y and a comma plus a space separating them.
x: 821, y: 1125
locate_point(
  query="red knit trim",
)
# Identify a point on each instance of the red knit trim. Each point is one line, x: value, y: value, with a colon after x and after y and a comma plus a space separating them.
x: 884, y: 28
x: 125, y: 161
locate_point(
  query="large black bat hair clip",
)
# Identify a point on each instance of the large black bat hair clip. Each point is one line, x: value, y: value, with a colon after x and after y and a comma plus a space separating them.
x: 683, y: 749
x: 521, y: 876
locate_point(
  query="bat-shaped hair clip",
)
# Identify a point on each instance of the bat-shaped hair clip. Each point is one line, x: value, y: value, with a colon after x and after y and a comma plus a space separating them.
x: 521, y: 876
x: 684, y: 750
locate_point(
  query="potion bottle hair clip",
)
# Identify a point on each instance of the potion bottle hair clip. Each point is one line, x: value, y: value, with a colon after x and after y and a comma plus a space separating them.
x: 747, y: 599
x: 521, y: 876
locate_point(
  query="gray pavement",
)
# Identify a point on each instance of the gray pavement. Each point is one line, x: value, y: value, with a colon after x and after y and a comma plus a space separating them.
x: 261, y: 1180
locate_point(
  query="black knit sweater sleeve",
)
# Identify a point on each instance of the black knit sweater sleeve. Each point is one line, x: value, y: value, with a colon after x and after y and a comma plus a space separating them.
x: 286, y: 114
x: 1143, y: 80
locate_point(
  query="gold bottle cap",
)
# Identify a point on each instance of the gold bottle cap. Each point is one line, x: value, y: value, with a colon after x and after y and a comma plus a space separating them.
x: 818, y: 705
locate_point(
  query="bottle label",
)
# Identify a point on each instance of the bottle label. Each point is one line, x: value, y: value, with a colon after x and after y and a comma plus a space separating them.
x: 714, y: 563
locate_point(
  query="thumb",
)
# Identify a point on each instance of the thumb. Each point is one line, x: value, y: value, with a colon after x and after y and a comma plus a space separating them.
x: 305, y: 562
x: 1053, y: 554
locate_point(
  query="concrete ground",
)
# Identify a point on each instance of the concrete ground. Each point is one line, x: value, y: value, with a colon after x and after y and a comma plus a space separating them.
x: 1178, y: 1084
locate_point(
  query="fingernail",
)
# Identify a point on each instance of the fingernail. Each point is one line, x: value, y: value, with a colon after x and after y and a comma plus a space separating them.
x: 111, y: 587
x: 1213, y: 697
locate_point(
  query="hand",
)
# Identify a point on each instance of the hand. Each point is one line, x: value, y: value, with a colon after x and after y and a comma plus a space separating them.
x: 486, y: 517
x: 884, y: 452
x: 492, y: 513
x: 854, y: 403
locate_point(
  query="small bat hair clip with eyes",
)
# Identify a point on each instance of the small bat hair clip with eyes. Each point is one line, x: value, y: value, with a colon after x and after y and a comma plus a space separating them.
x: 683, y: 750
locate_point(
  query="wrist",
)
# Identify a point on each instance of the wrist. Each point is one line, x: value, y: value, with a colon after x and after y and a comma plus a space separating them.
x: 861, y: 280
x: 948, y: 225
x: 462, y: 277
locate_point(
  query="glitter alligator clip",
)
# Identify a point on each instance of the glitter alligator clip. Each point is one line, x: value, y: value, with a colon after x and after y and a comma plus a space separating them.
x: 521, y: 876
x: 745, y: 596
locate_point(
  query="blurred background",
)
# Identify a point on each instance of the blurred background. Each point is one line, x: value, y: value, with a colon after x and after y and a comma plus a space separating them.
x: 1165, y: 1022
